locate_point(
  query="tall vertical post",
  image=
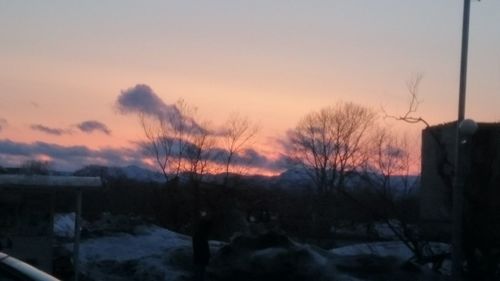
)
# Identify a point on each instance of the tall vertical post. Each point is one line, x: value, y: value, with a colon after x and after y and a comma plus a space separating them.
x: 463, y: 61
x: 76, y: 244
x: 458, y: 181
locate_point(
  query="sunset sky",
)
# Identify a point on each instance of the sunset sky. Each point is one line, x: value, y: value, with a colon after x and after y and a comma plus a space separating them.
x: 64, y: 64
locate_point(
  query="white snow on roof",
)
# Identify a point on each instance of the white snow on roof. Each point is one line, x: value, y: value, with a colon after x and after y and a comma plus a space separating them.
x: 50, y: 181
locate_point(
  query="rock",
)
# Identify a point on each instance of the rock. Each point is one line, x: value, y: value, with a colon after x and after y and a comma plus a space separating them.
x: 269, y: 256
x: 368, y: 264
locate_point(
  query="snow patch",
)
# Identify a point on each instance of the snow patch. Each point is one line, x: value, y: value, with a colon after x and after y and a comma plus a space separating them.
x: 149, y: 253
x: 64, y: 225
x: 147, y: 241
x: 385, y: 249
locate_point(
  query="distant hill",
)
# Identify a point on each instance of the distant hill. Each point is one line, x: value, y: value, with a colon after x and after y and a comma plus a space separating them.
x: 129, y: 172
x: 295, y: 178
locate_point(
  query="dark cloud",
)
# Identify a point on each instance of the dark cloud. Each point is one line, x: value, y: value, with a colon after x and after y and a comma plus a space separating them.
x: 49, y: 130
x: 143, y: 100
x: 68, y: 157
x: 76, y: 156
x: 12, y: 148
x: 249, y: 158
x: 246, y: 158
x: 92, y: 126
x: 3, y: 123
x: 177, y: 147
x: 252, y: 158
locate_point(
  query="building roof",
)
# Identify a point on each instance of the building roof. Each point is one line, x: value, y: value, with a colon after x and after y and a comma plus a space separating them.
x: 485, y: 125
x: 49, y: 182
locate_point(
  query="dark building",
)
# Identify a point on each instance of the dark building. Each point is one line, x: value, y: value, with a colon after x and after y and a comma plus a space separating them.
x: 27, y: 214
x: 482, y: 182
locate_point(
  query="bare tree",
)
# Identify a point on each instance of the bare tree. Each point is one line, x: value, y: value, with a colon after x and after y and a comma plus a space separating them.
x: 199, y: 152
x: 183, y: 126
x: 179, y: 143
x: 168, y: 137
x: 159, y: 143
x: 389, y: 156
x: 410, y: 116
x: 35, y: 167
x: 330, y: 143
x: 391, y: 181
x: 407, y: 234
x: 237, y: 133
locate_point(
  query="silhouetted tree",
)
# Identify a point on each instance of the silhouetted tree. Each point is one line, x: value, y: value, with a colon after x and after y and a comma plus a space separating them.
x: 35, y: 167
x: 391, y: 181
x: 389, y: 156
x: 168, y: 137
x: 236, y: 135
x: 419, y: 246
x: 331, y: 144
x: 159, y: 145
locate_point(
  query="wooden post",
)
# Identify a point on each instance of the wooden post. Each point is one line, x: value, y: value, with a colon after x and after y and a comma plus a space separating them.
x: 76, y: 244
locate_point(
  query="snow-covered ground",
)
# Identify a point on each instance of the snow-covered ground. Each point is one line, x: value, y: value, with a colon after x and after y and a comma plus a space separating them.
x: 149, y: 253
x: 379, y: 230
x: 396, y: 249
x: 146, y: 241
x: 383, y: 249
x: 152, y: 253
x: 122, y: 251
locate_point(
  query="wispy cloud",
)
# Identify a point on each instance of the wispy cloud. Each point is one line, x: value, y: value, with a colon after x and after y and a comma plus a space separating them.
x: 91, y: 126
x: 142, y: 100
x: 49, y: 130
x: 74, y: 157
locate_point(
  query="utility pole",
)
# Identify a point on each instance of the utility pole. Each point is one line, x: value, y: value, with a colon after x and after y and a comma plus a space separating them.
x: 458, y: 181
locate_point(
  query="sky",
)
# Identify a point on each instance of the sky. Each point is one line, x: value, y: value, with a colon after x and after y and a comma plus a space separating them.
x: 63, y: 65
